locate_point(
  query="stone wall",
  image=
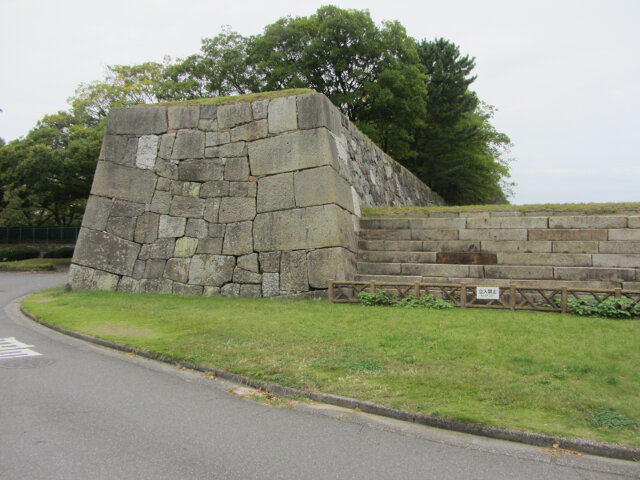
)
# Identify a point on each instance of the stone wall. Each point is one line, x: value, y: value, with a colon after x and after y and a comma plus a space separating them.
x: 537, y: 248
x: 254, y: 198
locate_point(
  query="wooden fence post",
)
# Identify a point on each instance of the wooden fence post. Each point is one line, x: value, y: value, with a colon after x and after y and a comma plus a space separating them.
x: 331, y: 290
x: 512, y: 296
x: 618, y: 292
x: 564, y: 299
x: 372, y: 286
x: 463, y: 295
x: 416, y: 289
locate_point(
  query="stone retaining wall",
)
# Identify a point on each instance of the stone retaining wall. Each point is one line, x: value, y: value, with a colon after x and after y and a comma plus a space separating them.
x: 258, y: 198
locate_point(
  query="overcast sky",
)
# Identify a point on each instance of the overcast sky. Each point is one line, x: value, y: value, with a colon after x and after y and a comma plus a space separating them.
x: 564, y: 74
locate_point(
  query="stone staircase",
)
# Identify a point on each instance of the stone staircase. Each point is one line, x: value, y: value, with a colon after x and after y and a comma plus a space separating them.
x: 497, y: 248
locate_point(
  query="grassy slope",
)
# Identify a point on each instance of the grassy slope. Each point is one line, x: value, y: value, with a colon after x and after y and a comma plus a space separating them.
x: 522, y: 370
x: 250, y: 97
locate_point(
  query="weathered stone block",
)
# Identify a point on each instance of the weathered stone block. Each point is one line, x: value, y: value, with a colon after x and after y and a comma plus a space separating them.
x: 106, y: 282
x: 450, y: 246
x: 185, y: 247
x: 147, y: 228
x: 303, y: 228
x: 208, y: 112
x: 147, y: 152
x: 237, y: 239
x: 466, y: 258
x: 123, y: 208
x: 96, y: 213
x: 574, y: 247
x: 177, y: 269
x: 330, y: 263
x: 161, y: 202
x: 211, y: 291
x: 119, y: 149
x: 270, y: 284
x: 588, y: 221
x: 275, y: 193
x: 123, y: 227
x: 270, y: 262
x: 188, y: 144
x: 218, y: 188
x: 282, y: 115
x: 294, y: 275
x: 125, y: 183
x: 137, y: 121
x: 212, y: 246
x: 139, y: 268
x: 517, y: 272
x: 171, y: 226
x: 318, y: 186
x: 208, y: 125
x: 292, y: 151
x: 211, y: 210
x: 315, y: 111
x: 260, y: 109
x: 237, y: 149
x: 245, y: 276
x: 190, y: 290
x: 197, y: 228
x: 437, y: 223
x: 80, y: 278
x: 624, y: 234
x: 249, y: 262
x: 156, y: 285
x: 213, y: 139
x: 507, y: 222
x: 129, y: 285
x: 619, y: 247
x: 236, y: 209
x: 183, y: 117
x: 250, y: 290
x: 154, y: 268
x: 568, y: 234
x: 217, y: 230
x: 616, y: 260
x: 164, y: 184
x: 200, y: 170
x: 105, y: 251
x: 230, y: 290
x: 249, y: 131
x: 430, y: 234
x: 397, y: 257
x: 599, y: 274
x: 214, y: 270
x: 560, y: 259
x: 386, y: 223
x: 405, y: 234
x: 433, y: 270
x: 236, y: 169
x: 166, y: 146
x: 634, y: 222
x: 161, y: 248
x: 187, y: 207
x: 167, y: 169
x: 243, y: 189
x: 232, y: 115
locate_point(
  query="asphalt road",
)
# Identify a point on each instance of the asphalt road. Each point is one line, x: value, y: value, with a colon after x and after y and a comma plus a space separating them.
x: 78, y: 411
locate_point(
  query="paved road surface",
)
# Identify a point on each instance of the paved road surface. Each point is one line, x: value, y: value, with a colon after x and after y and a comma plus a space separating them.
x: 83, y: 412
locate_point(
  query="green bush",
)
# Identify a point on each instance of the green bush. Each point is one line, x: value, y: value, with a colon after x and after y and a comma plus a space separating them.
x: 609, y: 308
x: 11, y: 254
x: 64, y: 252
x: 382, y: 298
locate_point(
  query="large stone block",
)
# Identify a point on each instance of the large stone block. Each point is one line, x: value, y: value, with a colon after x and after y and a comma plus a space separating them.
x: 156, y: 285
x: 213, y: 139
x: 634, y: 221
x: 568, y: 234
x: 292, y: 151
x: 431, y: 234
x: 237, y: 239
x: 185, y: 247
x: 245, y: 276
x: 560, y: 259
x: 437, y: 223
x: 330, y: 263
x: 119, y: 149
x: 322, y: 185
x: 599, y: 274
x: 616, y: 260
x: 237, y: 149
x: 232, y: 115
x: 177, y: 269
x: 515, y: 246
x: 303, y: 228
x: 212, y: 246
x: 191, y: 290
x: 404, y: 234
x: 243, y: 189
x: 188, y: 144
x: 166, y: 146
x: 147, y: 152
x: 161, y: 248
x: 147, y: 228
x: 154, y: 268
x: 614, y: 246
x: 518, y: 272
x: 260, y: 109
x: 588, y: 221
x: 275, y: 192
x: 183, y: 117
x: 386, y: 223
x: 161, y: 202
x: 105, y: 251
x: 294, y: 274
x: 200, y: 170
x: 171, y: 227
x: 96, y: 213
x: 123, y: 227
x: 270, y: 284
x: 451, y: 246
x: 315, y: 111
x: 218, y: 188
x: 398, y: 257
x: 212, y: 270
x: 507, y: 222
x: 187, y: 207
x: 137, y: 121
x: 197, y: 228
x: 574, y: 247
x: 185, y: 189
x: 270, y: 262
x: 236, y: 169
x: 125, y: 183
x: 250, y: 131
x: 249, y: 262
x: 435, y: 270
x: 236, y: 209
x: 282, y: 115
x: 124, y: 208
x: 624, y: 234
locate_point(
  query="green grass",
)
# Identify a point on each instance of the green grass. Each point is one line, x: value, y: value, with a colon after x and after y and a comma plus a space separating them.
x: 250, y: 97
x: 34, y: 264
x: 531, y: 371
x: 580, y: 208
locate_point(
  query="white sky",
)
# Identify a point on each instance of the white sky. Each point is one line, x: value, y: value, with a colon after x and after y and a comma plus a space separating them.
x: 563, y: 74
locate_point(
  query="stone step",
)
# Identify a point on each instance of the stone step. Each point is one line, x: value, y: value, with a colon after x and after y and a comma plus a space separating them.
x: 395, y: 257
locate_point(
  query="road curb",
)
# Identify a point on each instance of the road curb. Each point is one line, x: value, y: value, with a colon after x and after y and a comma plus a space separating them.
x: 539, y: 440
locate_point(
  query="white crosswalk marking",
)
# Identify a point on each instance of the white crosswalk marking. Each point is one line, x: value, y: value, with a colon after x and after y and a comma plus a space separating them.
x: 12, y: 348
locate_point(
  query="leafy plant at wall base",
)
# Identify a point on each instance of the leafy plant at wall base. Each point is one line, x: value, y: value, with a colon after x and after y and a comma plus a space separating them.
x: 371, y: 299
x: 380, y: 298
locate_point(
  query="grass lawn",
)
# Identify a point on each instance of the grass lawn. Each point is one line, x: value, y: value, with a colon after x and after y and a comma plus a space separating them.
x: 34, y: 264
x: 532, y: 371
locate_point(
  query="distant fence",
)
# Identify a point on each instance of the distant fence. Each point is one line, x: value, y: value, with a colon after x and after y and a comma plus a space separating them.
x: 38, y: 234
x: 512, y: 296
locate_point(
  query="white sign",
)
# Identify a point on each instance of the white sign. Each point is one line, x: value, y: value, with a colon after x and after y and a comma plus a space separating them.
x: 488, y: 293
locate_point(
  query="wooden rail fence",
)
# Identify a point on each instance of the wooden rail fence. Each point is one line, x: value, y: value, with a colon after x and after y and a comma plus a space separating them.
x: 512, y: 296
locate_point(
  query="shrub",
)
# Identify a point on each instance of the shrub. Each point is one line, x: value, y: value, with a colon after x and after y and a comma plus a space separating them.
x: 382, y: 298
x: 609, y: 308
x: 370, y: 299
x: 64, y: 252
x: 18, y: 253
